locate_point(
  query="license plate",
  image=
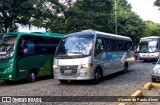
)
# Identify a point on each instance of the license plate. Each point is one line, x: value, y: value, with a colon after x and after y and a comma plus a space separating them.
x: 67, y: 72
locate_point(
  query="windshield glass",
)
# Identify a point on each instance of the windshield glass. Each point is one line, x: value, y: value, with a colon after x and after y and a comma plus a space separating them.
x: 143, y: 47
x: 7, y: 46
x: 157, y: 67
x: 146, y: 47
x: 75, y: 46
x: 153, y: 46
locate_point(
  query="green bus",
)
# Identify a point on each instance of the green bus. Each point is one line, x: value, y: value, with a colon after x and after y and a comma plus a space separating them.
x: 27, y: 55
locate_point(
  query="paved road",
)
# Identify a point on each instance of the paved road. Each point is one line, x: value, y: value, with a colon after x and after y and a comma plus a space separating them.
x: 120, y: 84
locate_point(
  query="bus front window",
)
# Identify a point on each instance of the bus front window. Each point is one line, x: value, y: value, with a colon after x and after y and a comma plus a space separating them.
x: 148, y: 47
x: 143, y: 48
x: 75, y: 46
x: 7, y: 46
x: 153, y: 46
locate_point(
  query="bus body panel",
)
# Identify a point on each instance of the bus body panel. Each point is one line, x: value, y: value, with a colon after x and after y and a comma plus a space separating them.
x: 17, y: 67
x: 66, y: 67
x: 151, y: 56
x: 41, y: 63
x: 5, y: 70
x: 149, y: 48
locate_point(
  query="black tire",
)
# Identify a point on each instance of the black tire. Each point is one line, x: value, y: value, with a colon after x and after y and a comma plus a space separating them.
x: 31, y: 76
x: 8, y: 81
x: 125, y: 68
x: 63, y: 81
x: 153, y: 80
x: 145, y: 60
x: 97, y: 76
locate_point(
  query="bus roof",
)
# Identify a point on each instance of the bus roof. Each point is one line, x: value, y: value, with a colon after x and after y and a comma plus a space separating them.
x: 47, y: 34
x: 92, y: 32
x: 150, y: 37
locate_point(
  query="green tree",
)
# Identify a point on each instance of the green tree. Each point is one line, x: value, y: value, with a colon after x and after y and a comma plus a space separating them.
x: 157, y: 3
x: 152, y: 29
x: 128, y: 22
x: 88, y: 14
x: 14, y: 11
x: 49, y: 14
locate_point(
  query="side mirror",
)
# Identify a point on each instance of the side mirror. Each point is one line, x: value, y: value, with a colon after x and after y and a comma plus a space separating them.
x: 22, y: 44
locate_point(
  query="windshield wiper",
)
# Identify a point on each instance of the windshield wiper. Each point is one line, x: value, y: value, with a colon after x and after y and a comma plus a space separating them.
x: 151, y: 48
x: 76, y: 53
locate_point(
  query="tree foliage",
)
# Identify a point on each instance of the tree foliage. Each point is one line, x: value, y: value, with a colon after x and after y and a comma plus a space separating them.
x: 128, y: 22
x: 65, y: 16
x: 14, y: 11
x: 157, y: 3
x: 88, y: 14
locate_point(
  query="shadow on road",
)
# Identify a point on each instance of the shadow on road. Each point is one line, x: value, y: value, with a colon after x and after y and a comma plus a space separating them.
x: 89, y: 82
x: 24, y: 81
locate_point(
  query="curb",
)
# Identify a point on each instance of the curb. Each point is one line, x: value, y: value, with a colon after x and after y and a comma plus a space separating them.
x: 139, y: 93
x: 136, y: 94
x: 147, y: 86
x: 155, y: 84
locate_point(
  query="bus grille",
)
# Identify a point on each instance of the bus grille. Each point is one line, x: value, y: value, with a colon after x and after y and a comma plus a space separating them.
x: 68, y: 70
x: 1, y: 69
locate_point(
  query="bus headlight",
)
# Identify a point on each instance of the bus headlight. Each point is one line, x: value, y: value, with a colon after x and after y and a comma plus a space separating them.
x: 9, y: 67
x: 86, y: 65
x: 55, y: 66
x: 155, y: 72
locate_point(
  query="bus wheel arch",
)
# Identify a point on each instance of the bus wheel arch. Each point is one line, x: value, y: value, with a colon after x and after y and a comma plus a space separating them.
x: 125, y: 67
x: 98, y: 75
x: 32, y: 75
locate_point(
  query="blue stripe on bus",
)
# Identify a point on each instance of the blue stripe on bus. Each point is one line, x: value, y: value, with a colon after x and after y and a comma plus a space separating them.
x: 112, y: 56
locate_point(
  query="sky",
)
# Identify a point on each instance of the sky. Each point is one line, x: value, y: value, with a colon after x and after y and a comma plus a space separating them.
x: 33, y: 29
x: 146, y: 9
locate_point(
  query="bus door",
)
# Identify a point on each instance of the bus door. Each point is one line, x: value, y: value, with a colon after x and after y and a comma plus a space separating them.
x: 123, y: 53
x: 115, y: 56
x: 101, y: 56
x: 27, y: 58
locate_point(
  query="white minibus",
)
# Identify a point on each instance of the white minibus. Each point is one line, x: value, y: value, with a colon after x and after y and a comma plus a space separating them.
x: 91, y: 55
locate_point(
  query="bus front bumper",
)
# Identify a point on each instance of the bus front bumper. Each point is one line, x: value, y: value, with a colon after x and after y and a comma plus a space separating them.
x: 7, y: 76
x: 82, y: 75
x: 148, y: 58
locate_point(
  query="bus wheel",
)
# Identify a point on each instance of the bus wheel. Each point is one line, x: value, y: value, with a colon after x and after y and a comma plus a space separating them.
x: 125, y: 68
x: 145, y: 60
x: 63, y: 81
x: 31, y: 76
x: 97, y: 76
x: 7, y: 81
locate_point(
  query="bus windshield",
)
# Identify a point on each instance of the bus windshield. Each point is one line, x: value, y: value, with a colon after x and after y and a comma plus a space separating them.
x: 75, y: 46
x: 151, y: 46
x: 7, y: 46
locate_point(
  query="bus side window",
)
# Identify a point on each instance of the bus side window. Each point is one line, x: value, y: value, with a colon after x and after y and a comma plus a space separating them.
x: 120, y: 45
x: 29, y: 48
x: 128, y: 45
x: 99, y: 47
x: 22, y: 44
x: 107, y: 44
x: 131, y: 45
x: 114, y: 46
